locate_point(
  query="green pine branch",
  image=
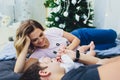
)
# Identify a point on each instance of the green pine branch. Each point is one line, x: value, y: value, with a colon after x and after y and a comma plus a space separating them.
x: 69, y: 22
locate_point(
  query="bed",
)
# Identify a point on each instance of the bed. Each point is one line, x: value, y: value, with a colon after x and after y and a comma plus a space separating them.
x: 6, y: 70
x: 7, y: 62
x: 8, y: 58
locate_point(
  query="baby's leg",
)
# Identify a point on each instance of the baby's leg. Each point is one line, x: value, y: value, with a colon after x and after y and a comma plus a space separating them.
x: 91, y: 52
x: 84, y: 48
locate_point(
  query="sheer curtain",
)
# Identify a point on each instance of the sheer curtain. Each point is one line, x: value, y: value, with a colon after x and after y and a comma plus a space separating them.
x: 107, y: 14
x: 30, y: 9
x: 6, y: 12
x: 23, y: 9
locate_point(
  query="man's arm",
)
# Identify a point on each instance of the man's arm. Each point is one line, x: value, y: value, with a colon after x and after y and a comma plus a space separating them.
x: 87, y: 59
x: 84, y: 58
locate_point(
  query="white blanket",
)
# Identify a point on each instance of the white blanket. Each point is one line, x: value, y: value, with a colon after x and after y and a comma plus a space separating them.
x: 8, y: 51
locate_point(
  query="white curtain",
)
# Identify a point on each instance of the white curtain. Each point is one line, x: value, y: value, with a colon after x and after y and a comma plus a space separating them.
x: 23, y: 9
x: 107, y: 14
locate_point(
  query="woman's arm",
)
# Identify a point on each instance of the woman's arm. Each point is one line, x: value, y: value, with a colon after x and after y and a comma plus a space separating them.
x: 21, y: 59
x: 73, y: 39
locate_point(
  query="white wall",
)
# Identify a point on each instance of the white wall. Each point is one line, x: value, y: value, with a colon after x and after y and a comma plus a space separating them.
x: 33, y: 9
x: 7, y: 9
x: 107, y: 14
x: 39, y: 11
x: 23, y: 9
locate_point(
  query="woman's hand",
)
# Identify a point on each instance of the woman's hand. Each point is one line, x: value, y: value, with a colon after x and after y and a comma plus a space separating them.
x: 27, y: 40
x: 21, y: 59
x: 61, y: 51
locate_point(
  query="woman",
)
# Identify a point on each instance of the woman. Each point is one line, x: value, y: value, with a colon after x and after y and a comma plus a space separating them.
x: 32, y: 37
x: 43, y: 39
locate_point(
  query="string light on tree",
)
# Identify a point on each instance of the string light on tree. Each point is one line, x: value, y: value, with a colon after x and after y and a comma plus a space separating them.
x: 65, y: 13
x: 56, y: 18
x: 74, y: 2
x: 70, y: 14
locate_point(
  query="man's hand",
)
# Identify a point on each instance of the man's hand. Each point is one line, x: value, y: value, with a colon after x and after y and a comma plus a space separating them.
x: 70, y: 53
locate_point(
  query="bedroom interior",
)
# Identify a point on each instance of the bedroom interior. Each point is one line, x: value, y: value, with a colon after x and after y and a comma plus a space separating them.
x: 12, y: 12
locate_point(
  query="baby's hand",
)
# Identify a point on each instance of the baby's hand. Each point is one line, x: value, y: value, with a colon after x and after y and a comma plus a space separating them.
x: 61, y: 51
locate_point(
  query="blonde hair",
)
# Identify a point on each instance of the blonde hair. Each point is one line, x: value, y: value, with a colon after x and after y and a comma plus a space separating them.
x: 26, y: 27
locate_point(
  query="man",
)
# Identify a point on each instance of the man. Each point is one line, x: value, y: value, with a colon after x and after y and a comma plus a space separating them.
x: 50, y: 69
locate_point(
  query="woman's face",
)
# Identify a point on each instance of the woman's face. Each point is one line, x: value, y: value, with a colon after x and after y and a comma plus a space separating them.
x: 38, y: 38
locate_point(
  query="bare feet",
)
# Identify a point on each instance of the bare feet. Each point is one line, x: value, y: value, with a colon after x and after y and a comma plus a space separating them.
x: 92, y: 47
x: 88, y: 48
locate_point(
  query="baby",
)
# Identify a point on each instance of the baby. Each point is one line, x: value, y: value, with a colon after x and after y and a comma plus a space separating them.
x: 67, y: 61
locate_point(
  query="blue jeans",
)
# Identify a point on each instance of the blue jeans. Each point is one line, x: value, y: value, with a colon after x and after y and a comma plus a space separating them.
x: 103, y: 38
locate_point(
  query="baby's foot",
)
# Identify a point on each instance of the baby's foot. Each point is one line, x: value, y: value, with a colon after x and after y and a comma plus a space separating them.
x: 92, y: 45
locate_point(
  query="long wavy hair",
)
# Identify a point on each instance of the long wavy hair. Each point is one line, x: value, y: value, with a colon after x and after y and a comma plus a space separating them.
x: 26, y: 27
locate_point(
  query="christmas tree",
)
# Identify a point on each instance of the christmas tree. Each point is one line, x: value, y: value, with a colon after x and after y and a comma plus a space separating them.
x: 69, y: 14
